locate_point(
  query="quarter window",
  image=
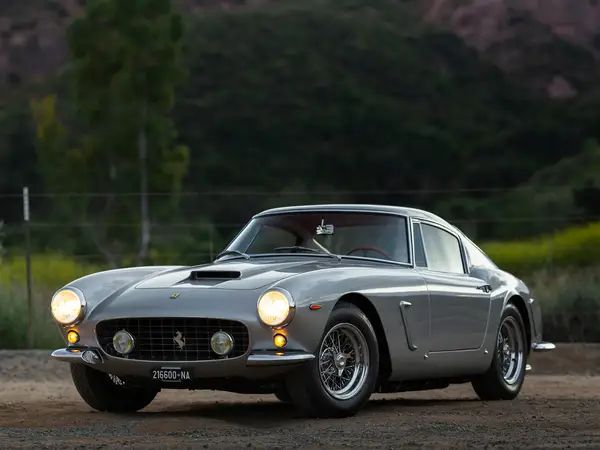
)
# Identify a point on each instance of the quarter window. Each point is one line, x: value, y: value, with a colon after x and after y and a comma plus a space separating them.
x: 420, y: 260
x: 442, y: 249
x: 476, y: 256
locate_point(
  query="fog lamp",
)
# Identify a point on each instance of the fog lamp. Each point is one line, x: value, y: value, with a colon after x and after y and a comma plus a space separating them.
x: 279, y: 340
x: 221, y: 343
x: 123, y: 342
x: 73, y: 337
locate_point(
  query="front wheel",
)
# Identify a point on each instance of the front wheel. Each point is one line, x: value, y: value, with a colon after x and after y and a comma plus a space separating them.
x: 340, y: 380
x: 504, y: 378
x: 106, y: 392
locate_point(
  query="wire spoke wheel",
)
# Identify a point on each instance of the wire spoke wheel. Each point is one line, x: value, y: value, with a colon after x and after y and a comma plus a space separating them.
x: 510, y: 350
x: 344, y: 361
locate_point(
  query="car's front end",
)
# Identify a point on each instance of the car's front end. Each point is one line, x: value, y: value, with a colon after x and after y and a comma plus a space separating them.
x: 191, y: 327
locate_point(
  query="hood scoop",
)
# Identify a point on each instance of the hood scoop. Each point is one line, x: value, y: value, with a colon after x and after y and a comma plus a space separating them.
x: 215, y: 275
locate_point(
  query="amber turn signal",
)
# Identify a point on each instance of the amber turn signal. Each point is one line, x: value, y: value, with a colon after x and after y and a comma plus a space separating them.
x: 279, y: 340
x: 73, y: 337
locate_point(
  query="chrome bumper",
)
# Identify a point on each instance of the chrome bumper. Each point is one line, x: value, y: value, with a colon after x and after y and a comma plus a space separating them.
x: 77, y: 355
x: 543, y: 347
x: 258, y: 359
x: 62, y: 354
x: 278, y: 358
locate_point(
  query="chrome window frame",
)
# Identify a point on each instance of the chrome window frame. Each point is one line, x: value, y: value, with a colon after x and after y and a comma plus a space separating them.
x: 407, y: 218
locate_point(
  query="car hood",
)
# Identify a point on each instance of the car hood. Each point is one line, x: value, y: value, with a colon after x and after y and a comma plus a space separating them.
x: 237, y: 274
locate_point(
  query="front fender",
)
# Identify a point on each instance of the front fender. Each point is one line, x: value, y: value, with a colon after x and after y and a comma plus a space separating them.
x: 98, y: 287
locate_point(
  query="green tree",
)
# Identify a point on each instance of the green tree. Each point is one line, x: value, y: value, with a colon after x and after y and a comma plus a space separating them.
x: 124, y: 68
x: 1, y: 240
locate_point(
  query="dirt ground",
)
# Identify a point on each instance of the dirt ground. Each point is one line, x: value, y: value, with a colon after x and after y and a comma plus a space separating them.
x: 40, y: 408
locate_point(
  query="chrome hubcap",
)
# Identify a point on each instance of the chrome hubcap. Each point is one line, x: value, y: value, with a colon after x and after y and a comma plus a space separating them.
x: 510, y: 350
x: 344, y: 361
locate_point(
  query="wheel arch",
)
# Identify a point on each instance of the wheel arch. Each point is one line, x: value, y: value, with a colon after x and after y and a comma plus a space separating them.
x: 365, y: 305
x: 519, y: 303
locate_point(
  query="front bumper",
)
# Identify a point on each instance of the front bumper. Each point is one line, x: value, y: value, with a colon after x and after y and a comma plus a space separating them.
x: 256, y: 365
x: 543, y: 346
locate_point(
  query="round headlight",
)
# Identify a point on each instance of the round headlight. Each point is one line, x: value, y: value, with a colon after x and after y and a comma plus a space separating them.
x: 123, y: 342
x: 275, y: 308
x: 67, y: 306
x: 221, y: 343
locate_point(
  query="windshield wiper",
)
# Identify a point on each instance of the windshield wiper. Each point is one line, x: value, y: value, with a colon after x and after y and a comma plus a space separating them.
x: 299, y: 248
x: 233, y: 252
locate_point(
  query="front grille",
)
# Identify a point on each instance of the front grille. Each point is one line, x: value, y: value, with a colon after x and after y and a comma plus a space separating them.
x: 155, y: 338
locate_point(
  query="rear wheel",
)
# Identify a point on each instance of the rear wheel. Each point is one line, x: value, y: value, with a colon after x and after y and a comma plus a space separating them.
x: 505, y: 377
x: 340, y: 380
x: 106, y: 392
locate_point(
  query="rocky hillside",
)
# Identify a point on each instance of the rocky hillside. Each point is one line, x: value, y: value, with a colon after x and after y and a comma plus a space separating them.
x: 552, y: 46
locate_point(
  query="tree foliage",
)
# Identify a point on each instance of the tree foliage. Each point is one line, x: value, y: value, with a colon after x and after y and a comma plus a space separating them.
x: 357, y: 96
x: 119, y: 137
x: 354, y: 97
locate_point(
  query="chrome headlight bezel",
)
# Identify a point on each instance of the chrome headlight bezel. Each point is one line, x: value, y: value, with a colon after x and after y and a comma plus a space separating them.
x: 291, y: 308
x: 82, y: 306
x: 130, y: 342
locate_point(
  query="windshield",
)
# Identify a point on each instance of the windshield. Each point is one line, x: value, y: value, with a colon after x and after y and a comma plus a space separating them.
x: 369, y: 235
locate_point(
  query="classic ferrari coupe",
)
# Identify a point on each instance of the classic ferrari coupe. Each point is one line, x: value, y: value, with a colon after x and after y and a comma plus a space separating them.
x: 320, y: 305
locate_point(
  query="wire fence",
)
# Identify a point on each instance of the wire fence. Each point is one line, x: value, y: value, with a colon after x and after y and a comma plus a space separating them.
x: 64, y: 242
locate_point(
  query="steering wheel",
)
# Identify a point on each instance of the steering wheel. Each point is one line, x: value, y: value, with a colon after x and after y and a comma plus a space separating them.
x: 369, y: 249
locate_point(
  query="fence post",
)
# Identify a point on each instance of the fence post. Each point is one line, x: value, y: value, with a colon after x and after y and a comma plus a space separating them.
x: 28, y: 266
x: 210, y: 239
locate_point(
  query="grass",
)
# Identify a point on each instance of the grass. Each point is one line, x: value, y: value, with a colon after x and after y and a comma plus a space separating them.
x: 563, y: 270
x: 49, y: 273
x: 573, y: 247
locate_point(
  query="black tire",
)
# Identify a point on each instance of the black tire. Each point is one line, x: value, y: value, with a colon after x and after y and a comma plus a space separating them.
x: 492, y: 384
x: 283, y: 395
x: 305, y: 387
x: 103, y: 394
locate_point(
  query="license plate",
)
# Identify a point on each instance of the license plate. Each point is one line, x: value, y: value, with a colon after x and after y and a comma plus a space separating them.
x: 171, y: 374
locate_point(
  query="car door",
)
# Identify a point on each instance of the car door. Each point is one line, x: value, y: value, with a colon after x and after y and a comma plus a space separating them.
x: 459, y: 303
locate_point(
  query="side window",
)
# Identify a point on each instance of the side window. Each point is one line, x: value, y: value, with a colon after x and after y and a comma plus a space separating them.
x: 420, y: 260
x: 443, y: 250
x: 476, y: 256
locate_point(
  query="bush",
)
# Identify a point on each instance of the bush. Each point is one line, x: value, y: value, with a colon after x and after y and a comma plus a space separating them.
x: 1, y: 239
x: 573, y: 247
x: 570, y: 303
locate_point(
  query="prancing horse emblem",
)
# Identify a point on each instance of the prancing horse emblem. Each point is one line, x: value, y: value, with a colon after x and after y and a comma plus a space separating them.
x: 179, y: 340
x: 174, y: 296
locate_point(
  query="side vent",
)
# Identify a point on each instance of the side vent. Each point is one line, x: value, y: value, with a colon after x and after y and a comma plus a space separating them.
x: 215, y: 275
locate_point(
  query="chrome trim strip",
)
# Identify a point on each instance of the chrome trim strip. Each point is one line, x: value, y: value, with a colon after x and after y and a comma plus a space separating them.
x: 404, y: 306
x: 278, y: 358
x: 543, y: 346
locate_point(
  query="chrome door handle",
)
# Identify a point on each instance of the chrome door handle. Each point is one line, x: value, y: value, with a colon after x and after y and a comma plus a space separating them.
x: 485, y: 288
x: 405, y: 304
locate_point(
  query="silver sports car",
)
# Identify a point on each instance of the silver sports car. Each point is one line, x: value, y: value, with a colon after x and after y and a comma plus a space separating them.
x: 321, y: 305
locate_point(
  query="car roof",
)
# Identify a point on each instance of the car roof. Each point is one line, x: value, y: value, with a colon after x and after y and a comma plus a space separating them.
x: 386, y: 209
